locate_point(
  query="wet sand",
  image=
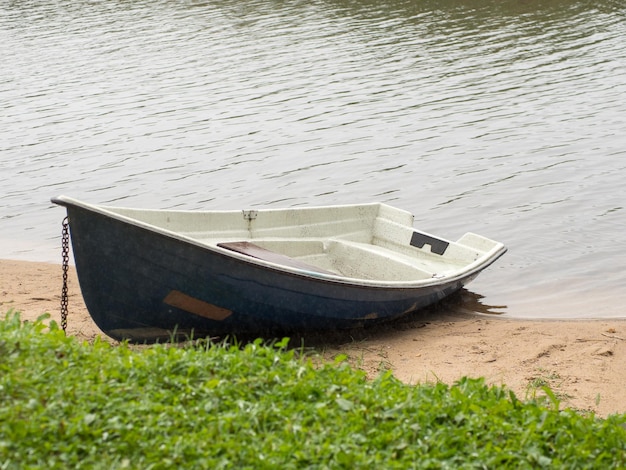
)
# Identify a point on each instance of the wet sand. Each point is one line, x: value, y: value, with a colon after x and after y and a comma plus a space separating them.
x: 583, y: 361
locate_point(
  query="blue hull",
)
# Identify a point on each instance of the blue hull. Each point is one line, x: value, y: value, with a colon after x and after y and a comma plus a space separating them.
x: 142, y: 285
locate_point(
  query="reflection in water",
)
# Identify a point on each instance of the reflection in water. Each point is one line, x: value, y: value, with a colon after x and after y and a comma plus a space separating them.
x: 467, y: 301
x: 501, y: 117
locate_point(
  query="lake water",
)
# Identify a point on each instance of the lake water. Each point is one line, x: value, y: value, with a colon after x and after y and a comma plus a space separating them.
x: 504, y: 117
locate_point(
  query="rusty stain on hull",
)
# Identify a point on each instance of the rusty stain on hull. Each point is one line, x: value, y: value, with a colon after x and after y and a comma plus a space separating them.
x: 198, y: 307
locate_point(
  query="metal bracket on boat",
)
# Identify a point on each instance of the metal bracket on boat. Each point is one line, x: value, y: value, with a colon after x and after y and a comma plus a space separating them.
x: 250, y: 215
x: 436, y: 245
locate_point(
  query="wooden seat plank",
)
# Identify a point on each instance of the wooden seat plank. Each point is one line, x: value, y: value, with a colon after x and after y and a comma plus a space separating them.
x: 258, y: 252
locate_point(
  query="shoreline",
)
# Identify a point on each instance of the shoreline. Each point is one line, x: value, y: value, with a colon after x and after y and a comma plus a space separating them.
x: 582, y: 361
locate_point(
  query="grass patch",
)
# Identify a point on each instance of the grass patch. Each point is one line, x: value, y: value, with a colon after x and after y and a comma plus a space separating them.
x: 71, y: 404
x: 546, y: 386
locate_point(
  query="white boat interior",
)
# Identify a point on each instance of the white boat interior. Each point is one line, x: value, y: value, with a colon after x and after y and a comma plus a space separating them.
x: 368, y: 242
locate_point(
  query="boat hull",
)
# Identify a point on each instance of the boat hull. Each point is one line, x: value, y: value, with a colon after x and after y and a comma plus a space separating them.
x: 142, y: 285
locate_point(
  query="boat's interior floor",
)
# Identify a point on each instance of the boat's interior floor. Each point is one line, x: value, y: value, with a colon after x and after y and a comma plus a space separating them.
x: 370, y: 242
x: 345, y: 258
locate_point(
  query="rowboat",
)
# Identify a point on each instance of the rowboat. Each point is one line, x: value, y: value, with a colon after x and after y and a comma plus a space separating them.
x: 147, y: 275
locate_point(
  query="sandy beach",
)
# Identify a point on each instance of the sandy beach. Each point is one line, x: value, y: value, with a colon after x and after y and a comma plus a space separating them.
x: 583, y: 361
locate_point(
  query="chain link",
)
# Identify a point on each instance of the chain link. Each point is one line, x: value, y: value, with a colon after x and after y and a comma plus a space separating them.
x: 65, y: 252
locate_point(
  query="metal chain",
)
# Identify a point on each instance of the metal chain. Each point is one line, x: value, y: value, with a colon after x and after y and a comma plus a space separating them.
x: 65, y: 252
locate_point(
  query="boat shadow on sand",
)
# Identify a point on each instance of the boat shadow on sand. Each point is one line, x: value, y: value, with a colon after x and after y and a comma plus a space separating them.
x: 461, y: 305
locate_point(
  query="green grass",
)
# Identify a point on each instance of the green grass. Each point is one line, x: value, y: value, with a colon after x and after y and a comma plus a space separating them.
x: 71, y: 404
